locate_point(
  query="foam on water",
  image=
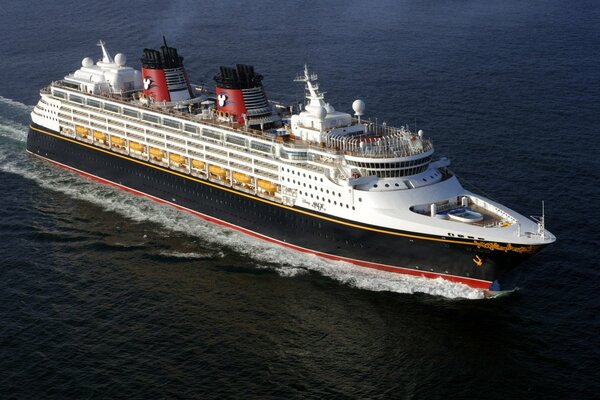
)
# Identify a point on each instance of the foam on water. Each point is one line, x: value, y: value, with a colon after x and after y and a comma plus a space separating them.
x: 286, y: 262
x: 12, y: 130
x: 192, y: 255
x: 16, y: 105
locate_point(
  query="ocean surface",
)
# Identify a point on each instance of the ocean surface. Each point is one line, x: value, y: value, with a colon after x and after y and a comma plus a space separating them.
x: 104, y: 294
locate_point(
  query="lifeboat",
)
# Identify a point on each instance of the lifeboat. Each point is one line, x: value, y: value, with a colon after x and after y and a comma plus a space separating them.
x: 158, y: 153
x: 100, y: 135
x: 81, y: 130
x: 177, y: 158
x: 198, y: 164
x: 117, y: 140
x: 216, y: 170
x: 136, y: 146
x: 267, y: 186
x: 242, y: 178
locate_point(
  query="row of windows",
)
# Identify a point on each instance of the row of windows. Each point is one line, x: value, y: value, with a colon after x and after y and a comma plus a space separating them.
x: 304, y: 174
x: 311, y: 186
x: 399, y: 173
x: 312, y: 196
x: 390, y: 165
x: 462, y: 236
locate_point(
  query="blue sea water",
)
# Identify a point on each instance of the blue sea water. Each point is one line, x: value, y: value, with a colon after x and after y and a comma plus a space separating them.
x: 108, y: 295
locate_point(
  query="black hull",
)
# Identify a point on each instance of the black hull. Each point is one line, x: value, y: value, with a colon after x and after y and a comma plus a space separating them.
x: 366, y: 245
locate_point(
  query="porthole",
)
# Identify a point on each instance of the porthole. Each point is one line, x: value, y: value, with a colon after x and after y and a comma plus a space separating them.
x: 387, y: 185
x: 375, y: 185
x: 396, y: 184
x: 360, y: 199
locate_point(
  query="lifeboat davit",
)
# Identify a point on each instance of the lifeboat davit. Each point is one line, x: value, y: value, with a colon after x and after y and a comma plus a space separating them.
x: 242, y: 178
x: 218, y: 171
x: 117, y: 140
x: 198, y: 164
x: 266, y: 185
x: 158, y: 153
x: 136, y: 146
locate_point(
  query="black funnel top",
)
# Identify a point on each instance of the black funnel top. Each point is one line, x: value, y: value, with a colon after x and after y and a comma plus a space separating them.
x: 241, y: 77
x: 167, y: 57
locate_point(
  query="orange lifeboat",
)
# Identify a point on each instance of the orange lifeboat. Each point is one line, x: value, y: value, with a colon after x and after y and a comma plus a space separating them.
x: 158, y: 153
x: 136, y: 146
x: 117, y: 140
x: 266, y: 185
x: 82, y: 130
x: 218, y: 171
x: 198, y: 164
x: 242, y: 178
x: 100, y: 135
x: 177, y: 158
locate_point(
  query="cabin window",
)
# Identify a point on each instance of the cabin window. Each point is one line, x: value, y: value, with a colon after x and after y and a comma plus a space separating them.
x: 111, y: 107
x: 131, y: 113
x: 150, y: 118
x: 190, y: 128
x: 93, y: 103
x: 171, y: 123
x: 76, y: 99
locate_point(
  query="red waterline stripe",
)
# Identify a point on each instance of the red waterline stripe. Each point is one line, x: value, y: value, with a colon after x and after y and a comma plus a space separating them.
x: 474, y: 283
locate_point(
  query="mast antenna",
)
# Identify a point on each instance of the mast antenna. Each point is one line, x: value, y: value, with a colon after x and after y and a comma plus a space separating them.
x: 541, y: 222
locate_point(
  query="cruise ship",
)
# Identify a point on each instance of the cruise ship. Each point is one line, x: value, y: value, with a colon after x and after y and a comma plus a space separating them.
x: 306, y: 176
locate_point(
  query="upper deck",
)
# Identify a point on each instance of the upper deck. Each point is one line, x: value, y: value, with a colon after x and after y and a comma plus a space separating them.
x: 375, y: 141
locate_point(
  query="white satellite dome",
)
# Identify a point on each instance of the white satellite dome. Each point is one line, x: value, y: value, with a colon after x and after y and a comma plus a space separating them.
x: 87, y: 62
x: 359, y: 107
x: 120, y: 59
